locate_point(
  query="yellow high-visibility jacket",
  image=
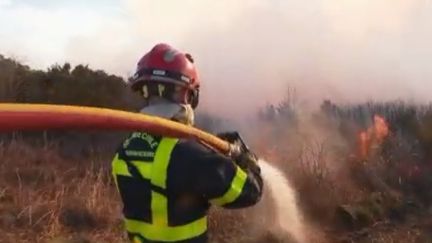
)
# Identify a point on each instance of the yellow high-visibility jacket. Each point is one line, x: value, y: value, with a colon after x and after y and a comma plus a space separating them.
x: 167, y: 186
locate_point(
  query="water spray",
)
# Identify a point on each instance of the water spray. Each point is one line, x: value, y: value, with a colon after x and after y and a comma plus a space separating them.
x: 288, y: 217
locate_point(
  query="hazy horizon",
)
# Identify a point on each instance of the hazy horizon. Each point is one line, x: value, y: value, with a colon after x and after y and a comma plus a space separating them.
x: 248, y: 52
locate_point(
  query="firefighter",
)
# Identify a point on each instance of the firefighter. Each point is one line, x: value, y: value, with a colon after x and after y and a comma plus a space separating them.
x: 167, y: 185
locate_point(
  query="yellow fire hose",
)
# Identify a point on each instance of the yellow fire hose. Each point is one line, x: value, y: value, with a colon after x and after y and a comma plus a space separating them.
x: 31, y: 117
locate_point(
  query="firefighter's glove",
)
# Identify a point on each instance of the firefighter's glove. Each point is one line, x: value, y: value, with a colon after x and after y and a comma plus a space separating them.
x: 231, y: 137
x: 240, y: 153
x: 248, y: 161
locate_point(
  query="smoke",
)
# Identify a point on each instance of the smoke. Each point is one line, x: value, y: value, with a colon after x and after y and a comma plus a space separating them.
x: 248, y: 52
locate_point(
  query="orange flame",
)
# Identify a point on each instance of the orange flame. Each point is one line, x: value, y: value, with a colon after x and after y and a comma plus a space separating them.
x: 373, y: 136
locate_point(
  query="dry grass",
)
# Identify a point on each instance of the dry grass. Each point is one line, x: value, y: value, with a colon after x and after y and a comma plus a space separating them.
x: 47, y: 198
x: 44, y: 197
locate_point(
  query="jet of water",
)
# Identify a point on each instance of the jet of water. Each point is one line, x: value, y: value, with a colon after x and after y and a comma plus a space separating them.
x: 287, y: 214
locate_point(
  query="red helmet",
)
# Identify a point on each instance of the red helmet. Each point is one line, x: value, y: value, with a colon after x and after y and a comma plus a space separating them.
x: 164, y: 65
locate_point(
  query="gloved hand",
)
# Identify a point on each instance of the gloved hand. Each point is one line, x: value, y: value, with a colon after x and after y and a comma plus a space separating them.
x: 235, y: 143
x: 240, y: 153
x: 231, y: 137
x: 248, y: 161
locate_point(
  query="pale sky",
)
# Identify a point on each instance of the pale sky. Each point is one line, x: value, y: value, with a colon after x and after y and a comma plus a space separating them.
x: 39, y: 31
x: 247, y: 51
